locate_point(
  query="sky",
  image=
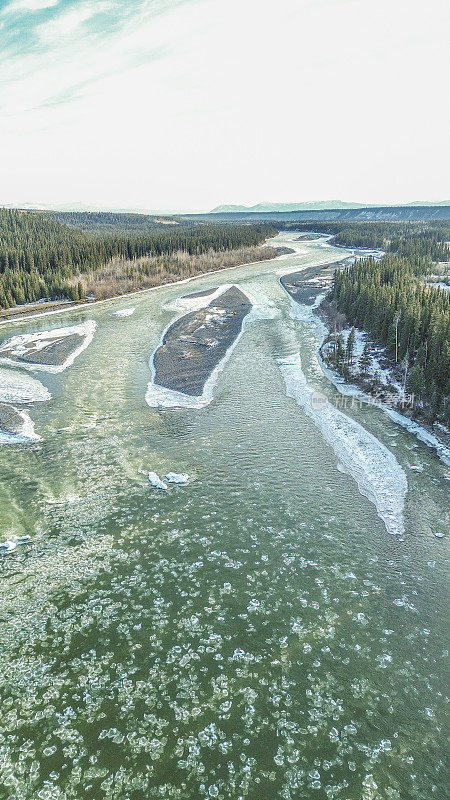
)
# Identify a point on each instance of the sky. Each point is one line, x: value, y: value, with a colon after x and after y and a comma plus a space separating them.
x: 182, y: 105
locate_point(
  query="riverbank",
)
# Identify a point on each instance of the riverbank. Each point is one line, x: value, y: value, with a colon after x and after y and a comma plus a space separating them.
x: 32, y: 311
x: 379, y: 383
x: 371, y: 369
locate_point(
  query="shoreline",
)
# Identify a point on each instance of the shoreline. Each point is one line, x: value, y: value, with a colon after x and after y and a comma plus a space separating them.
x: 417, y: 427
x: 356, y: 388
x: 26, y: 315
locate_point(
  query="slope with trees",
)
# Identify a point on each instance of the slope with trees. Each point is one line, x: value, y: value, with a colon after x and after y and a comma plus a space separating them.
x: 39, y: 256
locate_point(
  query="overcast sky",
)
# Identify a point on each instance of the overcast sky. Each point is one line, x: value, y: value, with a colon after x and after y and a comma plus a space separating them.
x: 187, y: 104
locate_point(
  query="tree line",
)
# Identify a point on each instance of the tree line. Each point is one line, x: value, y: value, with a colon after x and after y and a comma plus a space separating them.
x: 409, y: 318
x: 40, y: 255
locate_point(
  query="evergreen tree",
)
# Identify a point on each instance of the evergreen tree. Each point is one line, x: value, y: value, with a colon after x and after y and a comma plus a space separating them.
x: 365, y: 361
x: 350, y: 345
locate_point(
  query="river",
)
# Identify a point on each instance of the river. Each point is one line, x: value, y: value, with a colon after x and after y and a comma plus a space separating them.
x: 256, y: 634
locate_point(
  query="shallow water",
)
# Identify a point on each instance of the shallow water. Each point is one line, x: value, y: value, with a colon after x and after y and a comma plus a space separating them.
x: 255, y: 634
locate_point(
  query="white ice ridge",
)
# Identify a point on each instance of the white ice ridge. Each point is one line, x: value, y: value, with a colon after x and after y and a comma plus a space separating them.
x: 15, y: 387
x: 376, y: 471
x: 186, y: 304
x: 159, y: 397
x: 125, y: 312
x: 29, y: 342
x: 25, y: 434
x: 156, y: 481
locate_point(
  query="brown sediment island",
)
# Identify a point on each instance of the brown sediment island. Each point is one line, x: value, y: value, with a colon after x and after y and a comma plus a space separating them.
x: 51, y: 350
x: 309, y: 237
x: 55, y: 353
x: 306, y: 285
x: 195, y: 344
x: 284, y: 251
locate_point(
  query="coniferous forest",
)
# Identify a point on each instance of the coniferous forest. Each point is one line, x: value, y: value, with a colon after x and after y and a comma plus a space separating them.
x: 392, y: 301
x: 39, y: 255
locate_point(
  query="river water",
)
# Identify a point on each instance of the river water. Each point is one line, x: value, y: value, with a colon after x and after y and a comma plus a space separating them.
x: 257, y: 634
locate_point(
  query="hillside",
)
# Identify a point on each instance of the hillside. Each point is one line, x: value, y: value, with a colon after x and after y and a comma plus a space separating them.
x: 40, y: 257
x: 322, y: 205
x: 364, y: 214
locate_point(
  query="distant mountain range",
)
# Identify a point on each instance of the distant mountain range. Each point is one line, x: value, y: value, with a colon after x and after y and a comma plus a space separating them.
x: 322, y: 205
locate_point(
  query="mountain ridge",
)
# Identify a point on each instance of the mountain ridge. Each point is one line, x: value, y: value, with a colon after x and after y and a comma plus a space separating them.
x: 320, y: 205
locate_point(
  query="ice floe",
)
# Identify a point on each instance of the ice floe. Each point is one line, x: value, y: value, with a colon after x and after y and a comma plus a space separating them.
x: 17, y: 387
x: 177, y: 477
x: 51, y: 348
x: 10, y: 545
x: 376, y: 471
x: 156, y: 481
x: 125, y: 312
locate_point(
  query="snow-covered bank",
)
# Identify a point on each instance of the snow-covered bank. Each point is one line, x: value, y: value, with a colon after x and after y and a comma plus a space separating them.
x: 158, y: 396
x: 376, y: 471
x: 15, y: 387
x: 388, y: 384
x: 421, y: 433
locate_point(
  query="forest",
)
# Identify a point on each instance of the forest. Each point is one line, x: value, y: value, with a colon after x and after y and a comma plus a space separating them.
x: 112, y: 221
x: 388, y: 299
x: 411, y: 239
x: 40, y: 256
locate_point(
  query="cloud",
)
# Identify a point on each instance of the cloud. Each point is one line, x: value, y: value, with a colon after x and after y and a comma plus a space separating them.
x: 191, y: 103
x: 65, y: 24
x: 29, y: 5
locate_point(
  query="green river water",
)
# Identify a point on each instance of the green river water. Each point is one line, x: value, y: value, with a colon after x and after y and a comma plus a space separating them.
x: 256, y: 634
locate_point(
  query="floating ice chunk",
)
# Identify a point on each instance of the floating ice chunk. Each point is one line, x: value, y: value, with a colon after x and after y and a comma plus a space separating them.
x: 156, y: 481
x: 8, y: 546
x: 375, y: 469
x: 124, y: 312
x: 177, y: 477
x: 15, y: 387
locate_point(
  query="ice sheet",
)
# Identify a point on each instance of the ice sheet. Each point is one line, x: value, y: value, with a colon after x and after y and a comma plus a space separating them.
x: 15, y: 387
x: 376, y: 471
